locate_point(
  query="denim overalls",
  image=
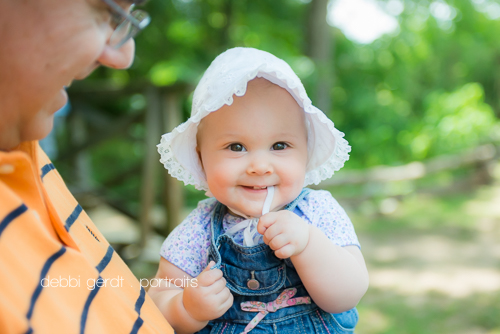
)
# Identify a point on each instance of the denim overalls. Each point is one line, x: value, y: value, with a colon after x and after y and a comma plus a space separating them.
x: 257, y: 278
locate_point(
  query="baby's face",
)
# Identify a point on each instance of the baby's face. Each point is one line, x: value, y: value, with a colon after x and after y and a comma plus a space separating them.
x: 258, y: 141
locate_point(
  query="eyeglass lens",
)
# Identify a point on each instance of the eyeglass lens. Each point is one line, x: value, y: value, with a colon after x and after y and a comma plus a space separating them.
x: 126, y: 30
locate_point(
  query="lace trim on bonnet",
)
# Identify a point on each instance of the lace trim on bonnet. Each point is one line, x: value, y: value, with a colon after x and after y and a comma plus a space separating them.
x: 196, y: 177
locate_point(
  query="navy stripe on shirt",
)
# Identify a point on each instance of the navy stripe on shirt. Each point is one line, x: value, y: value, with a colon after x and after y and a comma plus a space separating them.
x: 11, y: 216
x: 73, y: 217
x: 140, y: 300
x: 45, y: 269
x: 105, y: 260
x: 47, y: 168
x: 93, y: 293
x: 137, y: 325
x: 138, y: 305
x: 98, y: 283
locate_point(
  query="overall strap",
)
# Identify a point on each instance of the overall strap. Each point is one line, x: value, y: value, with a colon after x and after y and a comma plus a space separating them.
x: 216, y: 221
x: 291, y: 206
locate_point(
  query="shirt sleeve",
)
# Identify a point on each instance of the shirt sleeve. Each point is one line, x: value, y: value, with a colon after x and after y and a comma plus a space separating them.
x: 187, y: 245
x: 320, y: 209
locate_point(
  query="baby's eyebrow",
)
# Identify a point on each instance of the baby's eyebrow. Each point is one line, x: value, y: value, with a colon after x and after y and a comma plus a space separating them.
x: 287, y: 135
x: 229, y: 136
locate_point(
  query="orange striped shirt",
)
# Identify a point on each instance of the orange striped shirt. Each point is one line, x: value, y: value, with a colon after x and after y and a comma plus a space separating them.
x: 58, y: 274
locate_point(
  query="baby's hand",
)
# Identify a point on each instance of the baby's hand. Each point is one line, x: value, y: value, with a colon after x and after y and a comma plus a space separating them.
x: 208, y: 298
x: 285, y: 232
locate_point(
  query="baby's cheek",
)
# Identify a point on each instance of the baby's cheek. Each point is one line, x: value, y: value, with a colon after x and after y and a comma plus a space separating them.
x: 216, y: 180
x: 217, y: 172
x: 294, y: 178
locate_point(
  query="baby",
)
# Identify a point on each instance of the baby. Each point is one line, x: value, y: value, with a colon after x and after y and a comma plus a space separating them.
x: 264, y: 254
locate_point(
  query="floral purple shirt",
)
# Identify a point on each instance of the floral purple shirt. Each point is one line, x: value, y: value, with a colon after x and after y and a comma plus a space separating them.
x: 187, y: 246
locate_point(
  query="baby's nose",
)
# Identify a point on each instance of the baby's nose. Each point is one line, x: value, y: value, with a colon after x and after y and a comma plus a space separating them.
x: 260, y: 165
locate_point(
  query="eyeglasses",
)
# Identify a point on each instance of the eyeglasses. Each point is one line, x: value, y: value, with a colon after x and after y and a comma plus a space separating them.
x: 128, y: 24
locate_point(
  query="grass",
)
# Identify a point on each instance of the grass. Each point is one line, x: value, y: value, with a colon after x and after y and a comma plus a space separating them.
x: 436, y: 248
x: 434, y: 261
x: 391, y: 313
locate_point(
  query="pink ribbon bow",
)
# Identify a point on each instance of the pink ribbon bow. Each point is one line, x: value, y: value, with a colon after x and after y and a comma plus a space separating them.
x: 284, y: 300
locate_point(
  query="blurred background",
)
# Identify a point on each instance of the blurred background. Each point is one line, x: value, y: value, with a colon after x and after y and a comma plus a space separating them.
x: 415, y: 86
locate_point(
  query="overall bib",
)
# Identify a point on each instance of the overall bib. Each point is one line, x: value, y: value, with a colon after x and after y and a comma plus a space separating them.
x: 268, y: 294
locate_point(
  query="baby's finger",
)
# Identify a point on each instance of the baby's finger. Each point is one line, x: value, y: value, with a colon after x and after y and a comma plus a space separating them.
x: 218, y: 286
x: 209, y: 265
x: 207, y: 278
x: 266, y: 221
x: 222, y: 302
x: 272, y: 231
x: 202, y: 280
x: 285, y: 252
x: 278, y: 242
x: 226, y: 298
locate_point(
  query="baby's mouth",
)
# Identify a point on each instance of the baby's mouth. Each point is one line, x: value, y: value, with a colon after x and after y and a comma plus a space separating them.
x: 255, y: 187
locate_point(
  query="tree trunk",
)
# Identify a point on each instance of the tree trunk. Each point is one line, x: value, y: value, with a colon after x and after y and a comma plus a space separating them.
x: 174, y: 195
x: 153, y: 119
x: 319, y: 48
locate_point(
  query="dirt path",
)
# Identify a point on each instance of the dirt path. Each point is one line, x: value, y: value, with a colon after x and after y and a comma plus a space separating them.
x: 436, y: 280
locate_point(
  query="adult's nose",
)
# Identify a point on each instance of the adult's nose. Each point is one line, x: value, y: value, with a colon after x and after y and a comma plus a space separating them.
x: 120, y: 58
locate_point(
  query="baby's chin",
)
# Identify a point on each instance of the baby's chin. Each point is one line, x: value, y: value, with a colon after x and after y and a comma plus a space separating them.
x: 245, y: 213
x: 255, y: 213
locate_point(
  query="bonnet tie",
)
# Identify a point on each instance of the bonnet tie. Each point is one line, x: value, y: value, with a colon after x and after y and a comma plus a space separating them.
x: 250, y: 235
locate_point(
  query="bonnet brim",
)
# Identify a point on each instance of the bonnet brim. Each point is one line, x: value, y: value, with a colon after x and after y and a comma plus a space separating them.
x: 228, y: 76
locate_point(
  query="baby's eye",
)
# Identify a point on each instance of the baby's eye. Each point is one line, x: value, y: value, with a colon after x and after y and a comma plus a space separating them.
x: 279, y: 146
x: 236, y: 148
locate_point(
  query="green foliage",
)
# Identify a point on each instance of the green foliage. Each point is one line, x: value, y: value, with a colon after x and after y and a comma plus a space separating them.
x: 186, y: 35
x: 386, y: 97
x: 452, y: 122
x: 429, y: 89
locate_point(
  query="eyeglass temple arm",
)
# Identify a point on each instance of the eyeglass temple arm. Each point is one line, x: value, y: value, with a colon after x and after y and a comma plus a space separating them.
x: 123, y: 13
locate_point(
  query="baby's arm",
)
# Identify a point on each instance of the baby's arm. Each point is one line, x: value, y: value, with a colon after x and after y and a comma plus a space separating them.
x: 188, y: 309
x: 335, y: 277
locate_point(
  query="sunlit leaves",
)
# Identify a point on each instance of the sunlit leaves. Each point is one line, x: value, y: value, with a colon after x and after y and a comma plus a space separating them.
x: 454, y: 121
x: 406, y: 96
x: 164, y: 74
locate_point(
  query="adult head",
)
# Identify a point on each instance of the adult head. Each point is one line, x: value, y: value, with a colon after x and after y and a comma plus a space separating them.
x: 46, y: 44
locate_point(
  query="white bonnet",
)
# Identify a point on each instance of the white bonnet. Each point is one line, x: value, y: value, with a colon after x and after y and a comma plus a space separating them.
x: 228, y: 75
